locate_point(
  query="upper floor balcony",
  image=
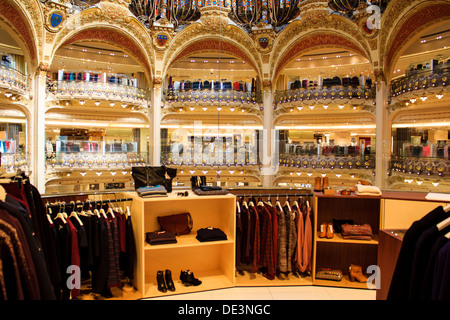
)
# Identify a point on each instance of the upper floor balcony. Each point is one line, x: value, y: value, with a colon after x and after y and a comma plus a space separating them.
x: 340, y: 94
x: 205, y: 96
x: 422, y: 79
x: 98, y: 91
x: 13, y: 82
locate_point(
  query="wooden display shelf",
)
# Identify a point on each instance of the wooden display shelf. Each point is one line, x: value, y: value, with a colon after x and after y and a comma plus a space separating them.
x: 213, y: 262
x: 187, y: 240
x: 344, y: 283
x: 250, y: 279
x: 339, y: 239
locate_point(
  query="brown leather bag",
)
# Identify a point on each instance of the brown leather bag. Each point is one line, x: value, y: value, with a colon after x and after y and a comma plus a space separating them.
x: 179, y: 224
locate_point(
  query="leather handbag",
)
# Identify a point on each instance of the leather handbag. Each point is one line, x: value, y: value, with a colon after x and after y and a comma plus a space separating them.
x: 179, y: 224
x: 145, y: 176
x: 160, y: 237
x: 329, y: 274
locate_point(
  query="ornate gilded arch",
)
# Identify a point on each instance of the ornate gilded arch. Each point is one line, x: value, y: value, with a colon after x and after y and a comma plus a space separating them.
x: 112, y: 25
x: 206, y: 35
x: 315, y: 29
x: 23, y: 20
x: 314, y: 41
x: 397, y: 33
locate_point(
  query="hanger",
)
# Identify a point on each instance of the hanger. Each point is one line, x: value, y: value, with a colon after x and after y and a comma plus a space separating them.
x: 277, y: 203
x: 447, y: 208
x: 443, y: 224
x: 60, y: 215
x: 2, y: 193
x: 238, y: 207
x: 286, y: 203
x: 49, y: 218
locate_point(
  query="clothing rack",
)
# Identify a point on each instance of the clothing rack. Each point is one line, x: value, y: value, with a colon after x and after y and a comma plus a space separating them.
x: 71, y: 206
x: 271, y: 195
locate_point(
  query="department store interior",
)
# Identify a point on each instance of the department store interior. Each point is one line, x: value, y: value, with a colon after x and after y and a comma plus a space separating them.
x: 90, y: 89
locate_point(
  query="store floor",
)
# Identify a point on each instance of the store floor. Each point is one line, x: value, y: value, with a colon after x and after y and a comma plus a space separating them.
x: 276, y: 293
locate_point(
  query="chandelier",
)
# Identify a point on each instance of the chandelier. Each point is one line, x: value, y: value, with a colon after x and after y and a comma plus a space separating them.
x: 251, y: 13
x: 245, y: 13
x: 349, y: 7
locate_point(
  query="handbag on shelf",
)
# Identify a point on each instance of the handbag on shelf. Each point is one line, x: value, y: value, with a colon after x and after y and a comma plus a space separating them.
x: 179, y: 224
x: 329, y: 274
x: 145, y: 176
x: 160, y: 237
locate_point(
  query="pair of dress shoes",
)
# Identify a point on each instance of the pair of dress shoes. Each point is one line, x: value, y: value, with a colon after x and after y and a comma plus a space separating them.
x: 164, y: 281
x: 326, y: 231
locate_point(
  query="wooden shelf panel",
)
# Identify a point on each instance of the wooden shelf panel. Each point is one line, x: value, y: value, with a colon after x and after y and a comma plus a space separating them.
x: 249, y: 279
x: 187, y: 240
x: 211, y: 279
x: 339, y: 239
x: 344, y: 283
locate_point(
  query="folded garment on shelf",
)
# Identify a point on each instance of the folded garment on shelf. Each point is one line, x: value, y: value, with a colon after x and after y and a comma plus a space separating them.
x: 201, y: 192
x: 210, y: 234
x: 357, y: 232
x: 363, y: 190
x: 160, y: 237
x: 152, y: 191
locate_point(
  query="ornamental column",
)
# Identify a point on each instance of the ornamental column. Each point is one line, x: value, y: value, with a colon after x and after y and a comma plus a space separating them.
x: 267, y: 139
x: 37, y: 129
x: 383, y: 131
x: 155, y: 125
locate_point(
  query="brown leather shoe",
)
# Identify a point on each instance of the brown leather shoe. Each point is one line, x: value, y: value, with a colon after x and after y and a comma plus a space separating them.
x: 356, y: 273
x: 325, y: 183
x: 323, y: 230
x: 330, y: 231
x: 317, y: 185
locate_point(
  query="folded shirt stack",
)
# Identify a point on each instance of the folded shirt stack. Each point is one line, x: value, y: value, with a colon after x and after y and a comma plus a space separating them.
x: 152, y: 191
x: 208, y: 191
x: 210, y: 234
x: 356, y: 232
x: 362, y: 190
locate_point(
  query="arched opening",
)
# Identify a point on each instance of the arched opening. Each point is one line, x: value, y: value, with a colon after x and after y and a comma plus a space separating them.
x: 324, y: 103
x: 421, y: 124
x: 14, y: 115
x: 97, y: 125
x: 211, y: 114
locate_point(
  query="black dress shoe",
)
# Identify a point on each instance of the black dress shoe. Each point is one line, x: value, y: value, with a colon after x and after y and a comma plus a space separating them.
x: 160, y: 280
x: 188, y: 279
x: 169, y: 282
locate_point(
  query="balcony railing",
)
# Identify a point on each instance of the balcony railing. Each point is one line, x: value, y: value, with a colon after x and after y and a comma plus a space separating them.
x: 96, y: 160
x: 328, y: 161
x: 97, y: 90
x: 189, y: 158
x: 212, y: 96
x: 14, y: 80
x: 11, y: 162
x: 333, y: 93
x: 420, y: 80
x: 420, y: 166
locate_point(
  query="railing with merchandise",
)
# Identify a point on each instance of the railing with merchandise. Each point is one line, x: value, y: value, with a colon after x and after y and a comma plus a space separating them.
x: 212, y: 95
x: 333, y: 93
x: 328, y: 162
x: 12, y: 162
x: 98, y: 160
x: 97, y: 90
x: 13, y: 81
x: 421, y: 79
x: 420, y: 166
